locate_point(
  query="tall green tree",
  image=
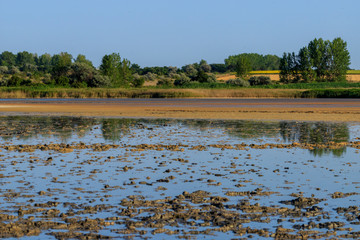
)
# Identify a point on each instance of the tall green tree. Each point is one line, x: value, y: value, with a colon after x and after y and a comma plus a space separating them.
x: 319, y: 61
x: 190, y: 70
x: 25, y: 57
x: 204, y: 66
x: 285, y: 76
x: 289, y: 68
x: 319, y: 54
x: 117, y: 69
x: 44, y: 63
x: 340, y: 60
x: 257, y: 61
x: 82, y: 59
x: 7, y: 59
x: 84, y: 75
x: 242, y: 67
x: 61, y: 64
x: 305, y: 65
x: 26, y: 61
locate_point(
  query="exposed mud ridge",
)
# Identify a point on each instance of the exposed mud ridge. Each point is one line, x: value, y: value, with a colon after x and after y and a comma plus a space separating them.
x: 195, y: 213
x: 178, y: 147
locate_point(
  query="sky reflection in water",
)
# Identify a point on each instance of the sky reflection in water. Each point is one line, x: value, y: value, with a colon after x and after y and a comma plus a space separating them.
x: 85, y: 176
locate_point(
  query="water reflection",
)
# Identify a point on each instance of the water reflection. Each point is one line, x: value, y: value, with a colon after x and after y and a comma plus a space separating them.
x: 65, y: 129
x: 114, y: 129
x: 25, y: 128
x: 316, y: 133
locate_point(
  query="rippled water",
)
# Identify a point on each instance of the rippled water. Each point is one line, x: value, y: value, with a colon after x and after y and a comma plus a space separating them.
x: 88, y: 177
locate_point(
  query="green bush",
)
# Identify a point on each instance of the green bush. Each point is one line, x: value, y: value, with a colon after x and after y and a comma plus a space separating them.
x: 211, y: 78
x: 138, y: 82
x: 4, y: 69
x: 78, y: 84
x: 150, y: 76
x: 14, y: 81
x: 13, y: 70
x: 63, y: 81
x: 182, y: 80
x: 260, y: 80
x: 238, y: 82
x: 165, y: 82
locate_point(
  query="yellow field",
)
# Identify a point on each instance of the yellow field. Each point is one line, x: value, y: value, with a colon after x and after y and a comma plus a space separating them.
x: 352, y: 75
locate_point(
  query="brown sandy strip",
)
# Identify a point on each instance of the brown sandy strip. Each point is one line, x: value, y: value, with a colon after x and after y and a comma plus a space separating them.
x: 324, y: 113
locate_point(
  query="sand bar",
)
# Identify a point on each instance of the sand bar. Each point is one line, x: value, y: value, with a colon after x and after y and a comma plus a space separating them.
x: 257, y: 109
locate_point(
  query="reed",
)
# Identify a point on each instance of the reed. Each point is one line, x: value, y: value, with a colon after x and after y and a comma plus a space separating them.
x: 148, y: 93
x: 331, y: 93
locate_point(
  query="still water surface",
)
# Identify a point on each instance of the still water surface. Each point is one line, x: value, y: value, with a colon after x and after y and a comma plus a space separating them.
x: 143, y: 161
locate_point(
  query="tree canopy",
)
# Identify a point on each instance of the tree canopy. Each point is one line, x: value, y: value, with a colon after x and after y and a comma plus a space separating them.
x: 319, y: 61
x: 255, y: 61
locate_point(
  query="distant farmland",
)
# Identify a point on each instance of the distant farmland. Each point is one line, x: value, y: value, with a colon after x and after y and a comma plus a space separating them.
x: 352, y: 75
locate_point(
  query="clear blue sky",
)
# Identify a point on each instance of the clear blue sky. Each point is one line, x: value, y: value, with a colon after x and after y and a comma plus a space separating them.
x: 175, y: 32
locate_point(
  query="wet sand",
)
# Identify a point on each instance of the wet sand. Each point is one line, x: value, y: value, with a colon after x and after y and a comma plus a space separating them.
x: 255, y: 109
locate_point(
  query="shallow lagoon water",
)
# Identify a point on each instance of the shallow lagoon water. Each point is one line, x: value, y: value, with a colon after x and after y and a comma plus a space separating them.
x: 162, y: 159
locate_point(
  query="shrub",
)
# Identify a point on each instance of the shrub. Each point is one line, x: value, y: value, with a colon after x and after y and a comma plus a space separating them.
x: 150, y: 76
x: 14, y: 81
x: 47, y: 79
x: 78, y: 84
x: 137, y: 81
x: 99, y: 81
x: 174, y: 75
x: 182, y: 80
x: 166, y: 82
x: 211, y: 78
x: 3, y: 82
x: 14, y: 70
x: 238, y: 82
x: 27, y: 67
x: 260, y: 80
x: 201, y: 77
x: 63, y: 81
x: 4, y: 69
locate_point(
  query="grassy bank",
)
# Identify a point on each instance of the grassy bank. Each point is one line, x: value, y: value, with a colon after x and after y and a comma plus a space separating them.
x: 331, y: 93
x: 148, y: 93
x: 218, y: 90
x: 315, y: 85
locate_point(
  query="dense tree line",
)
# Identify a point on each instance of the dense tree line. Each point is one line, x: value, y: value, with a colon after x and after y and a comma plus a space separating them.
x: 256, y: 61
x: 319, y: 61
x: 63, y: 70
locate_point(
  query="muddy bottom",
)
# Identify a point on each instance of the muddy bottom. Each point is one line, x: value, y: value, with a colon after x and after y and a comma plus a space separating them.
x: 252, y: 109
x: 103, y: 178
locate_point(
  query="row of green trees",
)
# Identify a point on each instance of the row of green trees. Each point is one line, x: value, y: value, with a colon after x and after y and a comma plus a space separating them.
x: 64, y: 70
x: 319, y: 61
x: 254, y: 61
x: 322, y: 60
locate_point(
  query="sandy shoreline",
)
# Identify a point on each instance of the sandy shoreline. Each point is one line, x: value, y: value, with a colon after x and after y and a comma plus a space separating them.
x: 347, y: 111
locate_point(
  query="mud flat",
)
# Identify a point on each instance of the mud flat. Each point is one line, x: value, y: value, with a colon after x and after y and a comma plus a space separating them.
x: 103, y: 178
x: 255, y: 109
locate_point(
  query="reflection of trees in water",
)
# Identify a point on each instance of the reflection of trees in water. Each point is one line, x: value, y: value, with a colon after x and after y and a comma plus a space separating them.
x: 28, y: 127
x: 241, y: 129
x: 114, y: 129
x: 324, y: 151
x: 316, y: 133
x: 253, y: 129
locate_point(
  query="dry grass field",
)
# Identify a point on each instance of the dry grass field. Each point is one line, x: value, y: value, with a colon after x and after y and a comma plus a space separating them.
x: 352, y: 76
